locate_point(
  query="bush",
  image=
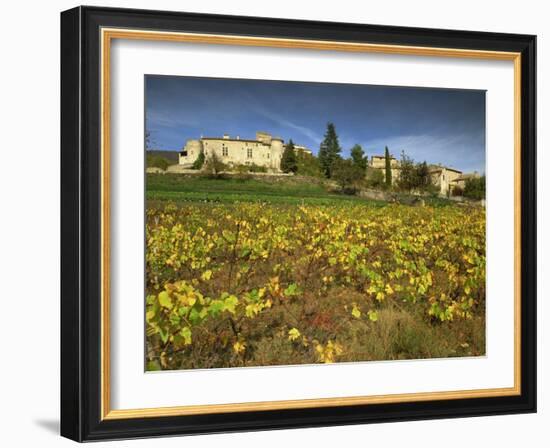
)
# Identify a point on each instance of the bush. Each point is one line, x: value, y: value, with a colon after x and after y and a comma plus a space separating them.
x: 347, y: 174
x: 214, y: 165
x: 154, y: 161
x: 257, y: 168
x: 375, y: 178
x: 308, y: 164
x: 253, y: 168
x: 433, y: 190
x: 198, y: 164
x: 457, y: 191
x: 414, y: 176
x: 475, y: 188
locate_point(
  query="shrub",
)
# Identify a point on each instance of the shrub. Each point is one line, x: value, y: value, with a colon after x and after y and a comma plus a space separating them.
x: 253, y: 168
x: 414, y: 176
x: 214, y: 165
x: 308, y: 164
x: 256, y: 168
x: 199, y: 162
x: 475, y: 188
x: 154, y: 161
x: 457, y: 191
x: 347, y: 174
x: 375, y: 178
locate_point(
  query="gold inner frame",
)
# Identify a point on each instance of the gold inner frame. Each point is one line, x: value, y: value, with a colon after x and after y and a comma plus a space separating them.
x: 107, y: 35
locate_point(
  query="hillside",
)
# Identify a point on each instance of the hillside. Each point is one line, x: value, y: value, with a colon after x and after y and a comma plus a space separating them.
x: 171, y: 156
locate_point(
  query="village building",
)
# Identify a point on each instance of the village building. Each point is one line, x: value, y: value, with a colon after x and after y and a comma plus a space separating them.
x: 460, y: 182
x: 379, y: 163
x: 442, y: 177
x: 265, y: 151
x: 303, y: 149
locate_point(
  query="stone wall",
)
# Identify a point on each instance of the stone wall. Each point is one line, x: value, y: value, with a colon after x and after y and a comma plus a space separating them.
x: 236, y: 151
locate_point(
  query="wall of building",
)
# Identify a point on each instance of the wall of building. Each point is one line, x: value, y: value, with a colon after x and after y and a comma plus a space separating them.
x: 265, y: 151
x: 380, y: 162
x: 444, y: 178
x: 190, y: 152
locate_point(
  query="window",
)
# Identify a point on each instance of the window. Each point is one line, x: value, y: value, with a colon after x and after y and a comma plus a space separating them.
x: 249, y: 152
x: 268, y: 155
x: 225, y: 151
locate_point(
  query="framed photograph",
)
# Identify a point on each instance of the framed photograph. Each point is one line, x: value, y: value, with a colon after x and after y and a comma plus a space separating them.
x: 275, y: 223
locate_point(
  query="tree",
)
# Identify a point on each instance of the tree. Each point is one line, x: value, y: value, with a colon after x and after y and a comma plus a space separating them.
x: 289, y: 164
x: 474, y: 188
x: 199, y: 161
x: 413, y: 176
x: 375, y: 178
x: 406, y: 173
x: 154, y: 161
x: 308, y: 164
x: 214, y: 165
x: 346, y: 173
x: 388, y: 167
x: 358, y: 157
x: 422, y: 174
x: 330, y: 150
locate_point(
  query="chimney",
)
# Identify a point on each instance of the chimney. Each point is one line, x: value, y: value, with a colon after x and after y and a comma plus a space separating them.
x: 238, y: 138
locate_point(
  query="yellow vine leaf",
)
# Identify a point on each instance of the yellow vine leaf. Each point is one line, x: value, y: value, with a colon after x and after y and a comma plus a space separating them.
x: 373, y: 315
x: 293, y: 334
x: 239, y: 347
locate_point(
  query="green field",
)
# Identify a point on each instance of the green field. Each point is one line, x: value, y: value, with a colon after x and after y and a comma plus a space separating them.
x: 306, y: 191
x: 166, y: 187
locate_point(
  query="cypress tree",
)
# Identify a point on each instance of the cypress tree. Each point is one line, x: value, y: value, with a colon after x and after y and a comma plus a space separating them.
x: 330, y: 150
x: 388, y: 167
x: 289, y: 163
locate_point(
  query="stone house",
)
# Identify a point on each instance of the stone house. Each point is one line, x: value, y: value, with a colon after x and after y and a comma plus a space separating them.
x: 444, y: 178
x: 460, y: 181
x: 379, y: 163
x: 265, y: 151
x: 301, y: 148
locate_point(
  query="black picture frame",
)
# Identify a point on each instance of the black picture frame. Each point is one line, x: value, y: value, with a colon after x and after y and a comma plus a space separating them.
x: 81, y: 224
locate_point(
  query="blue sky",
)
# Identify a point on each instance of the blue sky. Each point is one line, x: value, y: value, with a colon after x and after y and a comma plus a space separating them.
x: 436, y: 125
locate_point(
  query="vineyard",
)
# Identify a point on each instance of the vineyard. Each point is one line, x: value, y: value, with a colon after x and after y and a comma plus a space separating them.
x: 260, y: 283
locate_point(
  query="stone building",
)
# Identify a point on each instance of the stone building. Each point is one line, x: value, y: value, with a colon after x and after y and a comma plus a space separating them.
x: 379, y: 163
x: 444, y: 178
x: 460, y: 182
x: 303, y: 149
x: 265, y: 151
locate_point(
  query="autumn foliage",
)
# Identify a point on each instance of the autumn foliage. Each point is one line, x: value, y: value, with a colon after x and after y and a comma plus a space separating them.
x: 248, y: 284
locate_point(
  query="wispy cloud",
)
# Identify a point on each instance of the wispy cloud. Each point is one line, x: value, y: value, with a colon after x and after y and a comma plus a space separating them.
x: 170, y: 119
x: 256, y: 107
x: 462, y: 151
x: 305, y: 131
